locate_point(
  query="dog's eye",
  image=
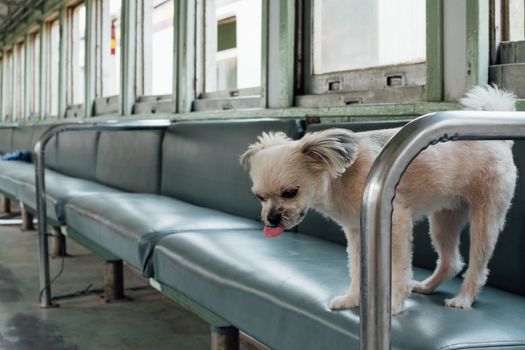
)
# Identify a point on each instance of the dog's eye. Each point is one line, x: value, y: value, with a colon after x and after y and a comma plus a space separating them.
x: 290, y: 193
x: 262, y: 199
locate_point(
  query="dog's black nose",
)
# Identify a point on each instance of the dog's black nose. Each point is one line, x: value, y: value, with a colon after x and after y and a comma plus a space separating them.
x: 274, y: 218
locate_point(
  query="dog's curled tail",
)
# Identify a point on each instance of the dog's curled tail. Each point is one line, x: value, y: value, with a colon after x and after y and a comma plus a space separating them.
x: 488, y: 98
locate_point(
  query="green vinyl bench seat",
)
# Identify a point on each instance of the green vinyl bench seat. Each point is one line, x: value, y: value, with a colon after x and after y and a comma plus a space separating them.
x: 278, y: 291
x: 130, y: 224
x: 60, y: 189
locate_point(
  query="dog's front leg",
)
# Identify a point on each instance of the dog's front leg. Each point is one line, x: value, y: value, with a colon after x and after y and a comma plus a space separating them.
x: 353, y: 248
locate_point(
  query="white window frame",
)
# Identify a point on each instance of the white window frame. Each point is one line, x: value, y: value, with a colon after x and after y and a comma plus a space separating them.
x: 389, y: 83
x: 104, y: 103
x: 244, y: 98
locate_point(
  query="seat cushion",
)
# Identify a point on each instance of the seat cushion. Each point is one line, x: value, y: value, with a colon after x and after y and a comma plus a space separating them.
x: 13, y: 175
x: 60, y: 189
x: 130, y: 224
x: 278, y: 291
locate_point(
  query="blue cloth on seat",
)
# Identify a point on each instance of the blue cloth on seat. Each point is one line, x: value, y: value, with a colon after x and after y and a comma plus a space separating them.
x: 17, y: 155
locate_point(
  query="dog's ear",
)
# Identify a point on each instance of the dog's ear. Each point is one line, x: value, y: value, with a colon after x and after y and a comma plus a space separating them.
x: 265, y: 140
x: 332, y: 150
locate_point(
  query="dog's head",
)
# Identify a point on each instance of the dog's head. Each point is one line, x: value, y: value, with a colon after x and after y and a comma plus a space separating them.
x: 290, y: 176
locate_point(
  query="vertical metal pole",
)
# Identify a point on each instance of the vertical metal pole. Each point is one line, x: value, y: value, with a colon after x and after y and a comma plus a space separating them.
x: 224, y: 338
x: 45, y: 283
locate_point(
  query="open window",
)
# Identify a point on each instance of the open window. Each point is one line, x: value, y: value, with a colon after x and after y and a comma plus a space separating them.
x: 52, y: 66
x: 229, y: 68
x: 33, y: 75
x: 507, y: 45
x: 108, y: 50
x: 76, y: 24
x: 8, y: 85
x: 155, y: 61
x: 19, y: 81
x: 362, y: 52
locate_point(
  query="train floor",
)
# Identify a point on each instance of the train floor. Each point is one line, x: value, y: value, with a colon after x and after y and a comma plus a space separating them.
x: 83, y: 320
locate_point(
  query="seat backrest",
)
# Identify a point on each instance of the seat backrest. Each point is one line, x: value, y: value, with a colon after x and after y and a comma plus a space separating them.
x: 130, y: 160
x: 76, y: 154
x: 200, y: 162
x: 23, y: 138
x: 6, y: 139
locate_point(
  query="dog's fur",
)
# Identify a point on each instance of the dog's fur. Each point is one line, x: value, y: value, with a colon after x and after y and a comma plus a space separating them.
x: 452, y: 183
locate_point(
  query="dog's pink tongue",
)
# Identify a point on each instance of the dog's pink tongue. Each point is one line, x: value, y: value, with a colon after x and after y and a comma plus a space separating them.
x: 272, y: 232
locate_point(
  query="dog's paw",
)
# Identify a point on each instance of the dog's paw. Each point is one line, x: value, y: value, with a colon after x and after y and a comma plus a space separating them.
x: 421, y: 287
x: 398, y: 303
x: 459, y: 302
x: 347, y: 301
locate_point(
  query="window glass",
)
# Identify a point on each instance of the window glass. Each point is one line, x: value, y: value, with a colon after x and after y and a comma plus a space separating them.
x: 53, y: 41
x: 158, y: 47
x: 8, y: 85
x: 515, y: 24
x: 232, y: 44
x: 77, y: 57
x: 34, y: 74
x: 108, y: 49
x: 353, y: 34
x: 19, y: 81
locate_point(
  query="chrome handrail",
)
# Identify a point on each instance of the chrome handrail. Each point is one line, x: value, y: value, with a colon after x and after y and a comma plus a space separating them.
x: 379, y: 193
x: 40, y: 165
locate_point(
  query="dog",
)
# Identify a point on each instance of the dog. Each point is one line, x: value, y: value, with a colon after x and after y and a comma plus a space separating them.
x: 452, y: 183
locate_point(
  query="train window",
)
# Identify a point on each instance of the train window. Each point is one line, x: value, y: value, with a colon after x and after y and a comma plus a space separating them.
x: 507, y: 45
x: 52, y: 48
x: 359, y: 51
x: 76, y: 61
x: 34, y: 74
x: 231, y: 58
x: 157, y: 47
x: 8, y: 84
x: 108, y: 48
x: 19, y: 60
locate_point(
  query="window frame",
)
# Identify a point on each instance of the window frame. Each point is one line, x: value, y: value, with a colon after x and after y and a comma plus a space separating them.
x: 244, y: 98
x: 160, y: 103
x: 105, y: 104
x: 48, y: 95
x: 73, y: 108
x: 396, y: 83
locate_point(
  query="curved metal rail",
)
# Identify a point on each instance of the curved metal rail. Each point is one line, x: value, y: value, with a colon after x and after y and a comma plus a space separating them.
x: 379, y: 193
x: 41, y: 197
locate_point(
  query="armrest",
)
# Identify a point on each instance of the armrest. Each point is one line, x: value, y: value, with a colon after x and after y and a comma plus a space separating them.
x: 40, y: 146
x: 379, y: 193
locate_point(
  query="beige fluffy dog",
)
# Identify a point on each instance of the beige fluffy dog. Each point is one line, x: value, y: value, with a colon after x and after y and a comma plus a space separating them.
x: 452, y: 183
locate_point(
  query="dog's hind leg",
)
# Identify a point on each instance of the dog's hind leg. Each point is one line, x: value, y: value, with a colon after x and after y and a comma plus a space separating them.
x: 445, y: 229
x: 487, y: 220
